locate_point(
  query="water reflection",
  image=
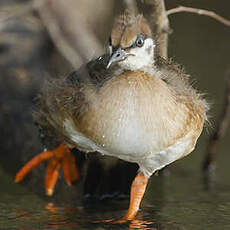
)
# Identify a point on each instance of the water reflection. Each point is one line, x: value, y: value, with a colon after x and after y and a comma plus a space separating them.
x: 57, y: 217
x: 185, y: 206
x: 53, y: 217
x: 141, y: 224
x: 177, y: 202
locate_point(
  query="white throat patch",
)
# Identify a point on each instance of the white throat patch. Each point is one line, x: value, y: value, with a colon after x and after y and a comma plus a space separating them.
x: 141, y: 56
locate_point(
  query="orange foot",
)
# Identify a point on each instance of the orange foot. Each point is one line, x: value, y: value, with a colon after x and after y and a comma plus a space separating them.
x: 58, y: 157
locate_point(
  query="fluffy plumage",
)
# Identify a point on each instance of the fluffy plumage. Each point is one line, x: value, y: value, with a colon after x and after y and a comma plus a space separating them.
x: 117, y: 112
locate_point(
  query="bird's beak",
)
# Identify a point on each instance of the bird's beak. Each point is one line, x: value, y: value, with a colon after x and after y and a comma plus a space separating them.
x: 118, y: 55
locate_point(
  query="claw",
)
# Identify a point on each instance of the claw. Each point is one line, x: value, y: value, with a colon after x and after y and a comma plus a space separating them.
x: 58, y: 157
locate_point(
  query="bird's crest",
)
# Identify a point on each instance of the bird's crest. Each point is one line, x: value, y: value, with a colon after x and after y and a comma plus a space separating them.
x: 126, y: 28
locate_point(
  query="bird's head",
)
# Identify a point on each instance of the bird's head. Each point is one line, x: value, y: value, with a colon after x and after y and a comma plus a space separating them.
x: 131, y: 44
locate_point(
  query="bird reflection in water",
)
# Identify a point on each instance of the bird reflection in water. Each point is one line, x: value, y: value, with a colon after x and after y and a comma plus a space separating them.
x: 141, y: 224
x: 56, y: 217
x: 55, y: 221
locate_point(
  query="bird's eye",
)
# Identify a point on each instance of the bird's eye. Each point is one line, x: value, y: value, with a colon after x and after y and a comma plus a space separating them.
x: 140, y: 42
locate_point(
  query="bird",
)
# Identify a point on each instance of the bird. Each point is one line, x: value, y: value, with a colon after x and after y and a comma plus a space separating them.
x: 129, y: 103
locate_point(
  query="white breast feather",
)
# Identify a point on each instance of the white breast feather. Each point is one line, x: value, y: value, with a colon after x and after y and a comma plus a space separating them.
x: 149, y: 164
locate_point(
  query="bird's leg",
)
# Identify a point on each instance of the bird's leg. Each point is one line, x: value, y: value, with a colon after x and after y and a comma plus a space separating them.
x: 137, y: 192
x: 61, y: 156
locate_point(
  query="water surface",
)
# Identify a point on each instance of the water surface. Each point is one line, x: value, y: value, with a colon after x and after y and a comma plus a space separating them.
x: 180, y: 200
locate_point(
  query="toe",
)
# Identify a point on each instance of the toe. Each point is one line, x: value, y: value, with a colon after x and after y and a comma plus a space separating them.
x: 69, y: 169
x: 51, y: 176
x: 33, y: 163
